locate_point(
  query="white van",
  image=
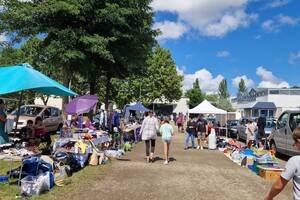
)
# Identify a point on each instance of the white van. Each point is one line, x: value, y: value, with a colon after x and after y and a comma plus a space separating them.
x: 281, y: 138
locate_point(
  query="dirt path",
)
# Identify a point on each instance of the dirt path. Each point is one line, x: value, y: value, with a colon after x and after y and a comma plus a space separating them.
x: 194, y: 174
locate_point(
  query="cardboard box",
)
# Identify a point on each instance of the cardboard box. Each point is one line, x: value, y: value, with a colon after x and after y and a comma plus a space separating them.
x: 268, y: 173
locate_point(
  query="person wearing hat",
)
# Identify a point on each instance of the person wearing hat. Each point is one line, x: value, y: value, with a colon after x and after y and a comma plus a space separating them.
x: 167, y: 132
x: 291, y: 172
x: 149, y: 133
x: 3, y: 136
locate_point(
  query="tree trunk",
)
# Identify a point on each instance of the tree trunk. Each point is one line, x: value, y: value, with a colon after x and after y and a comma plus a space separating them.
x: 45, y: 99
x: 107, y: 90
x: 92, y: 87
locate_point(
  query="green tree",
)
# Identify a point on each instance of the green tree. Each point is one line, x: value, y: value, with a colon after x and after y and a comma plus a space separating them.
x: 225, y: 104
x: 99, y: 40
x: 223, y: 90
x: 195, y: 95
x: 242, y: 87
x: 160, y: 80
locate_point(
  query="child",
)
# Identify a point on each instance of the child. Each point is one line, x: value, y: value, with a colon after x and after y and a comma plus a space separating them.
x: 27, y: 132
x: 167, y: 132
x: 117, y: 137
x: 39, y: 131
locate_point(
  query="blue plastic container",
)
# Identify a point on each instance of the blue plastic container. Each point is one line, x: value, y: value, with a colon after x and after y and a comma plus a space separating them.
x: 3, y: 179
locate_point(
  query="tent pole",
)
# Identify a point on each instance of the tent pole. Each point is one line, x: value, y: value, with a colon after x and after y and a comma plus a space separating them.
x: 226, y: 126
x: 18, y: 113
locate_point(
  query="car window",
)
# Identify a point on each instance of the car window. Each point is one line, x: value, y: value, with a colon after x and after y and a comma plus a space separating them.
x: 282, y: 121
x: 54, y: 112
x: 31, y: 111
x: 294, y: 120
x: 47, y: 113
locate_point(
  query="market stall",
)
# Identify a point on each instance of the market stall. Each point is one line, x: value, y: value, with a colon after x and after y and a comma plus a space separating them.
x: 262, y: 162
x: 205, y: 107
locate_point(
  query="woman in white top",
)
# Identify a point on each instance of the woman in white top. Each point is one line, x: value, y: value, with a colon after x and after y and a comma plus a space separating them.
x: 149, y: 133
x: 250, y: 131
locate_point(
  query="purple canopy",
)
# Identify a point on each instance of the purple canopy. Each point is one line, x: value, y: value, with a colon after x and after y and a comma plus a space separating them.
x: 81, y: 105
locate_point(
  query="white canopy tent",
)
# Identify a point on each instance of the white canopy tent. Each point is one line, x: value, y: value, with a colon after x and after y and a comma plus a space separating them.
x: 206, y: 108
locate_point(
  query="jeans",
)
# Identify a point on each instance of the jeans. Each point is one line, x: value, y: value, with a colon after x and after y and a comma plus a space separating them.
x: 187, y: 138
x: 147, y: 143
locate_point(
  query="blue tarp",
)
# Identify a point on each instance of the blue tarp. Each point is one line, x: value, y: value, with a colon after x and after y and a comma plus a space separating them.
x: 24, y: 77
x: 135, y: 107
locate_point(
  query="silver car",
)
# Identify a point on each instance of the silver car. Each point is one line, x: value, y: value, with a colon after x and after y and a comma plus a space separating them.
x: 281, y: 138
x: 241, y: 129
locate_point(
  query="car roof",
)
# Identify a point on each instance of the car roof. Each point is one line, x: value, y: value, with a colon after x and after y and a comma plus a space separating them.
x: 291, y: 111
x: 40, y: 106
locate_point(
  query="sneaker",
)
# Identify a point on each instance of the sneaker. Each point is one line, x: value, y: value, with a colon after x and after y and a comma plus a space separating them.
x: 201, y: 148
x: 166, y: 162
x: 185, y: 148
x: 198, y: 147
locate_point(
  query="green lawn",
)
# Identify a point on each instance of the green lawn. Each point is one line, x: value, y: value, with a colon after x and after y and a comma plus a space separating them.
x: 83, y: 178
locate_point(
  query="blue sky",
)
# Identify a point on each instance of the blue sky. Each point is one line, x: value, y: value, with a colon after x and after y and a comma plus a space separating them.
x: 215, y: 39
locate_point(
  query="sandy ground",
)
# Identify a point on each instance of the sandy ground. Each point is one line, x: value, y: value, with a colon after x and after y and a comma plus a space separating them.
x: 193, y: 174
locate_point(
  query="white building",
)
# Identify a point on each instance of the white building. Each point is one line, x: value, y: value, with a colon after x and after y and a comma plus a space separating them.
x: 269, y: 102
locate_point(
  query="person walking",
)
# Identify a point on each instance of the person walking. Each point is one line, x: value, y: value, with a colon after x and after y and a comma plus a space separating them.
x: 202, y: 131
x: 250, y: 132
x: 167, y: 133
x: 261, y: 135
x: 149, y: 133
x: 292, y: 171
x: 179, y: 122
x: 190, y: 133
x: 3, y: 136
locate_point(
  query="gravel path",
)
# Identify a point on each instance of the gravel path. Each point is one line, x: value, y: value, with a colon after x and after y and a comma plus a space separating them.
x: 193, y: 174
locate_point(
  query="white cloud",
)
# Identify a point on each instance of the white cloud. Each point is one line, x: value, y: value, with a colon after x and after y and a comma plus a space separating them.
x: 208, y: 83
x: 277, y: 3
x: 170, y: 30
x: 223, y: 54
x: 269, y: 80
x: 248, y: 82
x: 213, y: 18
x: 274, y: 25
x: 294, y: 58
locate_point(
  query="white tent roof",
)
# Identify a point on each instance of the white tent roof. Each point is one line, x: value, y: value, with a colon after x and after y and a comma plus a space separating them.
x: 206, y: 108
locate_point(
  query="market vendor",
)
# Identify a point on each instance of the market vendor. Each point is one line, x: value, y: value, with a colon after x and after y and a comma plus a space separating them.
x: 3, y: 136
x: 27, y: 132
x: 40, y: 133
x: 292, y: 171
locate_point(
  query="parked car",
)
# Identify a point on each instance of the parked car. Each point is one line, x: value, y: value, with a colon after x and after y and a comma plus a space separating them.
x: 241, y: 129
x: 232, y: 128
x: 51, y: 116
x: 281, y: 138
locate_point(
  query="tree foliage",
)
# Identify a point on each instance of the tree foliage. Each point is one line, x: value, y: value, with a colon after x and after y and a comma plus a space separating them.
x: 195, y: 95
x: 223, y: 90
x: 242, y: 87
x: 96, y: 39
x: 160, y: 80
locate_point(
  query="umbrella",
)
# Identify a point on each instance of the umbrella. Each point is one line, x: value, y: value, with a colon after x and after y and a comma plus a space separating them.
x: 81, y: 105
x: 24, y: 77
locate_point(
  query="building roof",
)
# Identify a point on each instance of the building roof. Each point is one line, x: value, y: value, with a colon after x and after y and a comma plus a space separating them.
x: 264, y: 105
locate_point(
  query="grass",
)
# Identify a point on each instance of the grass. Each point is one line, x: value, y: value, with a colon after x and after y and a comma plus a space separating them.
x: 6, y: 191
x: 84, y: 177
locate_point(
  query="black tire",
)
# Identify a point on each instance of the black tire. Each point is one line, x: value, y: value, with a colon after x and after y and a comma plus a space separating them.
x: 58, y: 128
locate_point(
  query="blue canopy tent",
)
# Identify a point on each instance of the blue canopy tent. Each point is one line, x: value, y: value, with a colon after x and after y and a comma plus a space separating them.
x: 134, y: 107
x: 24, y: 77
